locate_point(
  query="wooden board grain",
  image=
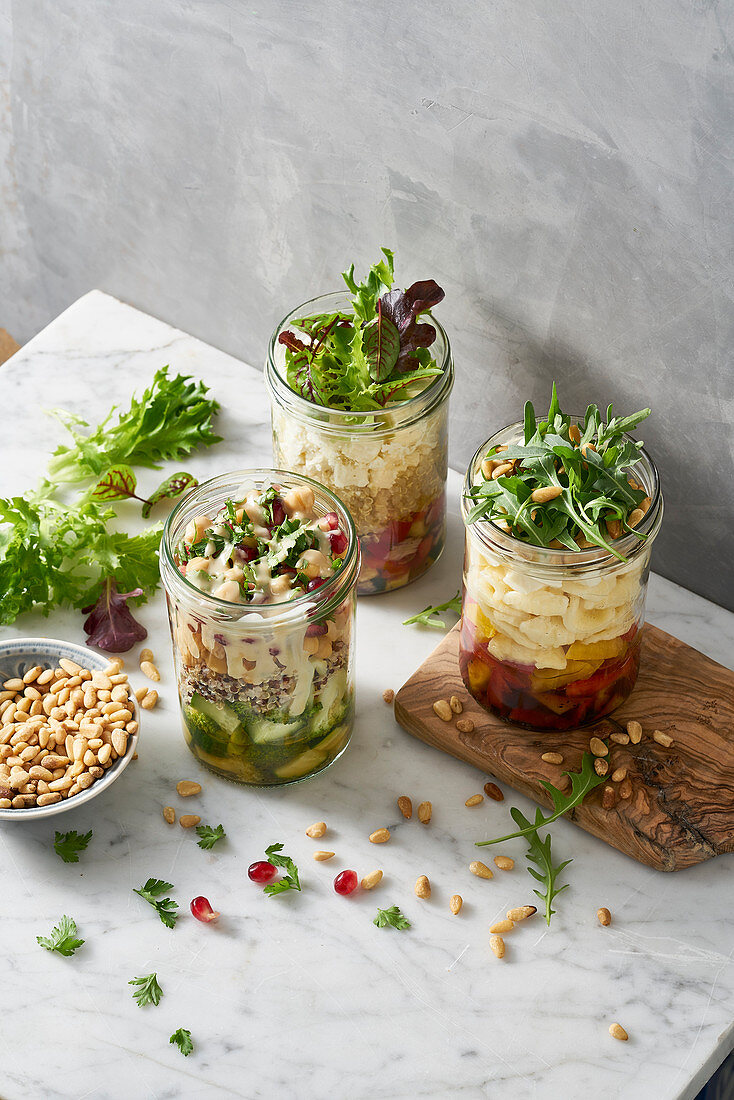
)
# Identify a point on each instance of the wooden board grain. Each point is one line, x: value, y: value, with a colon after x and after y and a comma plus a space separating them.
x: 681, y: 811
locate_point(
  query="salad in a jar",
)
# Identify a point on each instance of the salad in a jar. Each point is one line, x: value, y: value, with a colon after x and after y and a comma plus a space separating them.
x: 359, y: 384
x: 560, y: 515
x: 260, y: 579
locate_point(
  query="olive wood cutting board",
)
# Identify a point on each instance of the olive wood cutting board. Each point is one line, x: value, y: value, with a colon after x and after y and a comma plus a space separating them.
x: 681, y: 811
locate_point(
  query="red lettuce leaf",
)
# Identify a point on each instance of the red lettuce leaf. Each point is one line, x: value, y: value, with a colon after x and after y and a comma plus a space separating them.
x: 403, y: 307
x: 110, y: 624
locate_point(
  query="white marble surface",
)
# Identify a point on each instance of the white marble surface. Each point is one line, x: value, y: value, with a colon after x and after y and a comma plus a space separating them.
x: 301, y: 996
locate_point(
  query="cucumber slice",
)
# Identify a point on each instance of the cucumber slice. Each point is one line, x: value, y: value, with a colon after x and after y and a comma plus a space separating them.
x: 219, y: 713
x: 263, y: 730
x: 307, y: 762
x: 204, y: 732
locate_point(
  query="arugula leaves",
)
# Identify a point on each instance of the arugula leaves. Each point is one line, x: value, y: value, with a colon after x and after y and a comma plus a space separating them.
x: 586, y: 466
x: 429, y: 615
x: 63, y: 939
x: 68, y: 844
x: 148, y: 991
x: 539, y: 853
x: 209, y: 835
x: 392, y: 917
x: 366, y: 358
x: 182, y: 1039
x: 290, y: 880
x: 164, y: 907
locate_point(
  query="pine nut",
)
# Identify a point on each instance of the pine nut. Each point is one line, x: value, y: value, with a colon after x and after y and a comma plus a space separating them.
x: 598, y: 747
x: 456, y: 704
x: 380, y: 836
x: 574, y: 434
x: 104, y: 754
x: 619, y: 738
x: 317, y: 830
x: 625, y: 788
x: 502, y: 470
x: 619, y: 774
x: 465, y: 725
x: 662, y: 738
x: 145, y: 655
x: 455, y: 903
x: 149, y: 669
x: 552, y: 758
x: 119, y: 742
x: 497, y: 943
x: 32, y: 693
x: 49, y: 798
x: 601, y: 766
x: 614, y: 527
x: 502, y: 926
x: 141, y: 693
x: 45, y: 677
x: 545, y: 493
x: 405, y: 806
x: 481, y: 870
x: 634, y: 729
x: 70, y: 666
x: 169, y: 814
x: 187, y: 821
x: 321, y: 856
x: 388, y: 695
x: 474, y: 800
x: 607, y: 798
x: 374, y: 878
x: 422, y: 887
x: 443, y: 710
x: 425, y: 812
x: 617, y: 1032
x: 150, y: 700
x: 604, y: 916
x: 522, y: 912
x: 504, y: 863
x: 187, y: 787
x: 635, y: 517
x: 14, y: 684
x: 492, y: 791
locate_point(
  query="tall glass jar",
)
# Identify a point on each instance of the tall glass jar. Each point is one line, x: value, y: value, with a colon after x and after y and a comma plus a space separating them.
x: 550, y: 639
x: 388, y: 466
x: 266, y: 690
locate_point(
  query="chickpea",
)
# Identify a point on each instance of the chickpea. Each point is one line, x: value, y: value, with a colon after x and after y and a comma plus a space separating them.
x: 229, y: 590
x: 198, y: 563
x: 280, y: 585
x: 300, y: 499
x: 313, y: 563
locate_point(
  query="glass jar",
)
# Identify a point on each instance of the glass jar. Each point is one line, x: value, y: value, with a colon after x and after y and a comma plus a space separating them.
x: 266, y: 690
x: 550, y: 639
x: 388, y: 465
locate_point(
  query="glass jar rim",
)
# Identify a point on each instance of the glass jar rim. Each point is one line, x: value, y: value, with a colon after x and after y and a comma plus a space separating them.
x: 554, y: 559
x: 398, y: 414
x: 318, y: 603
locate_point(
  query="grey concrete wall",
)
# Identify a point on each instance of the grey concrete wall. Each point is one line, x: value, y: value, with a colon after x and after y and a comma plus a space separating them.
x: 564, y: 169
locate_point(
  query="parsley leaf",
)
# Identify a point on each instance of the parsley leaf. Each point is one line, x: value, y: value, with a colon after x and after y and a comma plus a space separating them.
x: 67, y: 845
x: 392, y: 917
x: 290, y: 880
x: 63, y: 938
x: 148, y: 991
x: 539, y: 853
x: 182, y: 1039
x: 429, y: 615
x: 164, y: 907
x: 209, y: 835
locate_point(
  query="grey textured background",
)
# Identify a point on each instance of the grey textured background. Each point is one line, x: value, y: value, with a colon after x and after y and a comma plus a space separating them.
x: 563, y: 169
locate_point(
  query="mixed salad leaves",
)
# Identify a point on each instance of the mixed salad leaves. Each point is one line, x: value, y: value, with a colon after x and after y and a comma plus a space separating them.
x: 369, y: 357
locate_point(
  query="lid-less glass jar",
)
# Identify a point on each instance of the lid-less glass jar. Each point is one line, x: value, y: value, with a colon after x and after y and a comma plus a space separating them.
x: 388, y: 465
x: 266, y: 689
x: 550, y: 639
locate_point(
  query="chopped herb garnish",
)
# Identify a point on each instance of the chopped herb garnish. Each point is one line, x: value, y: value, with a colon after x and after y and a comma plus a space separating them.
x: 164, y: 907
x: 392, y: 917
x: 63, y: 938
x: 290, y: 880
x: 430, y: 615
x: 182, y: 1039
x: 148, y: 991
x: 68, y: 844
x: 209, y: 835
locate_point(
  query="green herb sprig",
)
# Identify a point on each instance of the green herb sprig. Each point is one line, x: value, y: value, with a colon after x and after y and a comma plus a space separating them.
x: 164, y: 907
x: 63, y: 939
x: 148, y: 991
x: 539, y: 853
x: 430, y: 615
x: 209, y: 835
x: 290, y: 880
x: 67, y: 845
x: 182, y: 1039
x: 392, y: 917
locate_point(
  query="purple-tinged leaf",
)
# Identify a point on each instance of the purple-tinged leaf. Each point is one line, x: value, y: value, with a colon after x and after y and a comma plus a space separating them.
x: 403, y: 307
x: 381, y: 342
x: 110, y: 624
x: 118, y: 483
x: 171, y: 488
x: 291, y: 341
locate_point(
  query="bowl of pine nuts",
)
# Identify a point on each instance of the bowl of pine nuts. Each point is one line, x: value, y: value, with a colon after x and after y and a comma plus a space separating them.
x: 69, y: 724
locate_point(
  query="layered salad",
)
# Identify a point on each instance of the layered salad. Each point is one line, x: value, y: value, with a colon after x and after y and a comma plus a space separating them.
x: 360, y: 387
x: 264, y: 673
x: 559, y: 531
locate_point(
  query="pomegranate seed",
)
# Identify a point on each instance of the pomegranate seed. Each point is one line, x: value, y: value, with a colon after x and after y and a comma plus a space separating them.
x: 332, y: 519
x: 314, y: 583
x: 278, y: 512
x: 315, y: 630
x: 246, y: 553
x: 262, y: 871
x: 202, y: 910
x: 338, y: 541
x: 346, y: 882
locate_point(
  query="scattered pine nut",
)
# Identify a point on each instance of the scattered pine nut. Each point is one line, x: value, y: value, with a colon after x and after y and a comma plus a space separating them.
x: 634, y: 729
x: 617, y: 1032
x: 522, y: 912
x: 619, y: 738
x: 443, y: 710
x: 186, y: 788
x: 501, y: 926
x: 474, y: 800
x: 405, y: 806
x: 465, y: 725
x: 496, y: 942
x: 388, y: 695
x: 481, y: 870
x: 321, y: 856
x: 149, y: 700
x: 492, y: 791
x: 145, y: 655
x: 545, y: 493
x: 504, y: 863
x: 604, y: 916
x: 423, y: 887
x: 149, y: 669
x: 601, y: 766
x: 187, y: 821
x: 552, y: 758
x: 456, y: 704
x: 619, y: 774
x: 141, y: 693
x: 374, y: 878
x: 607, y: 798
x: 455, y: 903
x: 425, y: 812
x: 662, y: 738
x: 380, y: 836
x: 169, y: 814
x: 625, y: 788
x: 598, y: 747
x: 316, y: 830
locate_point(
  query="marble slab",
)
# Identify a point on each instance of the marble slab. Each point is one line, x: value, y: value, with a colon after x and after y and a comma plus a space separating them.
x: 301, y: 996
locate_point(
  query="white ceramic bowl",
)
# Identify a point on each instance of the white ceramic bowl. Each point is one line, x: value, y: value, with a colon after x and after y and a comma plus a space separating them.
x: 17, y: 655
